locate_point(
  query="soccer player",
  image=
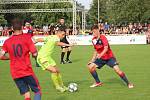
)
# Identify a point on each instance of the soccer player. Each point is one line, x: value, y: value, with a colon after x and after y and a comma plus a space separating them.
x: 27, y: 29
x: 65, y: 49
x: 101, y: 56
x: 45, y: 60
x: 18, y: 47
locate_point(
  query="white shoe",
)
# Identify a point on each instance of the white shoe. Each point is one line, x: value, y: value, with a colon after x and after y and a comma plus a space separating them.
x: 130, y: 86
x: 96, y: 84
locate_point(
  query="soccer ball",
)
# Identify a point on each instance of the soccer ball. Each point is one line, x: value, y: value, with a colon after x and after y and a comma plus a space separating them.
x: 72, y: 87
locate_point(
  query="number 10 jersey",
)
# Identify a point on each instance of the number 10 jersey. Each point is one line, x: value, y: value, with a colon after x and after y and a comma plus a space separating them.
x: 18, y: 47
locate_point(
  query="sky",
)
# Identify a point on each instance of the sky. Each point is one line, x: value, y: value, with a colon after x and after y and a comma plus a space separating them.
x: 85, y: 3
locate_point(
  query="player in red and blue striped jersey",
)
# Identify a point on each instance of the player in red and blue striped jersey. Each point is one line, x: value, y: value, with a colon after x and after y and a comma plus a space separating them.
x: 103, y: 55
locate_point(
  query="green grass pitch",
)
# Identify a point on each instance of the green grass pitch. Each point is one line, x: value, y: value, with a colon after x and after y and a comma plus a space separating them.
x: 134, y: 60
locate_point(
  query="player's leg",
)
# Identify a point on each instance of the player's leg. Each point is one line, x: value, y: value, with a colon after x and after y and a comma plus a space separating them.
x: 27, y: 96
x: 23, y: 88
x: 37, y: 65
x: 113, y: 63
x: 68, y: 55
x: 56, y: 78
x: 62, y: 55
x: 32, y: 81
x: 50, y: 66
x: 92, y: 69
x: 61, y: 83
x: 46, y: 65
x: 122, y: 76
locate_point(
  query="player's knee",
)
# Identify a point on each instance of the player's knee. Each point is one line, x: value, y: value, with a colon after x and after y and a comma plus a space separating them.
x: 118, y: 71
x: 27, y: 95
x: 54, y: 71
x: 91, y: 68
x: 69, y: 48
x: 116, y: 68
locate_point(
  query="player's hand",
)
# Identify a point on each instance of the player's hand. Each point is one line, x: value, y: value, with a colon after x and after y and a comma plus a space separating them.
x: 90, y: 62
x: 71, y: 45
x: 98, y: 56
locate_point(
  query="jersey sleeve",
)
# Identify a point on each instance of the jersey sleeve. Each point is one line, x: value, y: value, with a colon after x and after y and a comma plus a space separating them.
x: 56, y: 39
x: 31, y: 45
x: 104, y: 40
x: 46, y: 38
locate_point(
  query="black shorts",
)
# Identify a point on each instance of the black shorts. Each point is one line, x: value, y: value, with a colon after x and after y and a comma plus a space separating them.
x: 66, y: 43
x: 110, y: 62
x: 25, y: 83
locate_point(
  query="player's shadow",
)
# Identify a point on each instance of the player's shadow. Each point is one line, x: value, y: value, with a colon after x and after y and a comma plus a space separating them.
x: 76, y: 60
x: 113, y: 81
x: 61, y: 98
x: 79, y: 82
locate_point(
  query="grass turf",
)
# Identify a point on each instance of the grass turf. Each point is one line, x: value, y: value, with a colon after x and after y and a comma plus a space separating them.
x: 134, y: 60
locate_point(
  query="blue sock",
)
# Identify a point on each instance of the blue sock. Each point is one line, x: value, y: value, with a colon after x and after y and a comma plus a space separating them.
x: 124, y: 78
x: 95, y: 76
x: 37, y: 96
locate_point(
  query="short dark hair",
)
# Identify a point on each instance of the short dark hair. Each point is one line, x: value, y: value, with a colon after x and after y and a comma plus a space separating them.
x: 14, y: 20
x: 17, y: 24
x: 62, y: 18
x: 94, y: 27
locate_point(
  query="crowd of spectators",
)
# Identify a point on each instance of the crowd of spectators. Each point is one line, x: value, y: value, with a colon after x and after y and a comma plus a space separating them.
x: 105, y: 28
x: 37, y: 30
x: 131, y: 28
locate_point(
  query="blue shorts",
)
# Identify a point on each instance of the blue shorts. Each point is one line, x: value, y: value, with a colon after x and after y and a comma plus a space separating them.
x: 25, y: 83
x: 110, y: 62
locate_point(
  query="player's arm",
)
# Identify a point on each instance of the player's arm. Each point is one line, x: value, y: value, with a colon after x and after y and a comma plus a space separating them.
x: 103, y: 52
x: 63, y: 44
x: 37, y: 40
x: 3, y: 56
x: 35, y: 54
x: 32, y: 48
x: 93, y: 57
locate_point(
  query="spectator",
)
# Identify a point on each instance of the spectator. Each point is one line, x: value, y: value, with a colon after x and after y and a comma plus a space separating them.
x: 148, y: 36
x: 5, y: 31
x: 1, y: 30
x: 52, y: 29
x: 28, y: 29
x: 45, y: 29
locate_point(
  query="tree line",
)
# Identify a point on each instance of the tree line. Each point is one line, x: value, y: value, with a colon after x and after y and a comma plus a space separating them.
x: 120, y: 11
x: 40, y: 18
x: 112, y: 11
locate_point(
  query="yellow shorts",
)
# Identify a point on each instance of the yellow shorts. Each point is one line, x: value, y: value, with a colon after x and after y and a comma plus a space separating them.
x: 45, y: 62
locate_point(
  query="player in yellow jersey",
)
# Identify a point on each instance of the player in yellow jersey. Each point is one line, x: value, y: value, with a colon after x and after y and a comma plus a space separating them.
x: 45, y: 60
